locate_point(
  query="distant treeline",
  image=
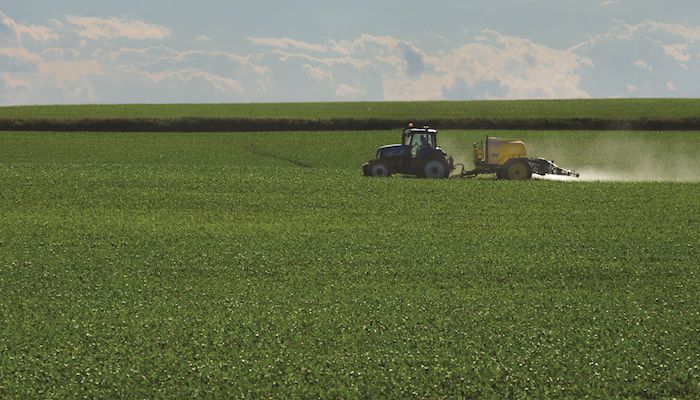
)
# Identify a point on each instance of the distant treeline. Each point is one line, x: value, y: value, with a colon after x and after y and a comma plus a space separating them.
x: 342, y: 124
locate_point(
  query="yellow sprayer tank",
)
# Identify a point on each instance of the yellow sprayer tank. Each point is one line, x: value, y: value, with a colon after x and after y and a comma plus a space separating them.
x: 499, y: 151
x: 507, y: 159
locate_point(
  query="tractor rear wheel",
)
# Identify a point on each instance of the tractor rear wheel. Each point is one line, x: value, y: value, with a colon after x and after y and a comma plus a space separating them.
x: 379, y: 168
x: 518, y: 170
x: 435, y: 169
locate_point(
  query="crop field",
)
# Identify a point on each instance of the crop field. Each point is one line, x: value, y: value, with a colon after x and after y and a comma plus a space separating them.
x: 611, y: 109
x: 173, y: 265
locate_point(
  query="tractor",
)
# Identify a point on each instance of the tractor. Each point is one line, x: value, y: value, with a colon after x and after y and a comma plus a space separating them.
x: 508, y: 160
x: 418, y: 154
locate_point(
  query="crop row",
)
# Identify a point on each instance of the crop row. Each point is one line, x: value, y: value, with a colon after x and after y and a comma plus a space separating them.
x: 265, y: 265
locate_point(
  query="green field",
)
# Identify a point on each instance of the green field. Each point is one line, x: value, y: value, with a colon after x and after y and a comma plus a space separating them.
x: 223, y: 265
x: 612, y: 109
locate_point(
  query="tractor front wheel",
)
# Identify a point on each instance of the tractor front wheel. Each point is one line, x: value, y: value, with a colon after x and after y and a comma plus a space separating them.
x: 365, y: 169
x: 379, y: 168
x: 435, y: 169
x: 518, y: 170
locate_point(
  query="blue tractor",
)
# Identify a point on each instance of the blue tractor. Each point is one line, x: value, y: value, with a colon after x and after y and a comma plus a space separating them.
x: 418, y: 154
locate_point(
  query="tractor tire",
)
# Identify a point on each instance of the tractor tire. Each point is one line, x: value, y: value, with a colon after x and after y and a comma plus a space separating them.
x: 379, y: 168
x: 518, y: 170
x: 435, y: 169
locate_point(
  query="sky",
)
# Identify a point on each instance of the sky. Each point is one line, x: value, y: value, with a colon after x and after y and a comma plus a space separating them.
x: 214, y: 51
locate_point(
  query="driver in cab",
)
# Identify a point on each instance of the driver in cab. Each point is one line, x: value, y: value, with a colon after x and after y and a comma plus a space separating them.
x: 424, y: 145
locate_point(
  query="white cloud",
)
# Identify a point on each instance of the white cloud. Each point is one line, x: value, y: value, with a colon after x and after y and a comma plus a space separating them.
x: 364, y: 43
x: 50, y: 79
x: 514, y: 67
x: 60, y: 53
x: 642, y: 65
x: 668, y: 49
x: 688, y: 32
x: 285, y: 43
x: 35, y: 32
x: 648, y: 30
x: 521, y: 67
x: 62, y: 71
x: 357, y: 63
x: 606, y: 3
x: 220, y: 83
x: 162, y: 55
x: 111, y: 28
x: 399, y: 88
x: 345, y: 90
x: 678, y: 51
x: 12, y: 82
x: 231, y: 76
x: 631, y: 87
x: 202, y: 38
x: 511, y: 67
x: 317, y: 73
x: 20, y: 55
x: 100, y: 72
x: 670, y: 86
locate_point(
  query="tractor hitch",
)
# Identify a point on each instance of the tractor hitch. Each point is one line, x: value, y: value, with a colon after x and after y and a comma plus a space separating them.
x: 464, y: 173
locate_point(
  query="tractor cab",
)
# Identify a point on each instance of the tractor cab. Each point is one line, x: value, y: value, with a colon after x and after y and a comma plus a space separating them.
x: 419, y: 141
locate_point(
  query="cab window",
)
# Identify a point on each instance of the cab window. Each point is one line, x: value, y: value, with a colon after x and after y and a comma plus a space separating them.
x: 420, y: 141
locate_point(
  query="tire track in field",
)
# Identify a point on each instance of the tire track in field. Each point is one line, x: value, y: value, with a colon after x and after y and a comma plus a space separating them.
x: 255, y: 151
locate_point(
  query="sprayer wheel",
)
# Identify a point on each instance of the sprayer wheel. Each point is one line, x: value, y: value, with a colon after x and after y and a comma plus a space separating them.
x: 518, y: 170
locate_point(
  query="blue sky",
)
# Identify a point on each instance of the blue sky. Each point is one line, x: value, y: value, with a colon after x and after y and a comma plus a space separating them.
x: 78, y: 51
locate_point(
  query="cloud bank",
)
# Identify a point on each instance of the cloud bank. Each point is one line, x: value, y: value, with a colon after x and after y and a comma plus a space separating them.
x: 111, y: 28
x: 86, y: 59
